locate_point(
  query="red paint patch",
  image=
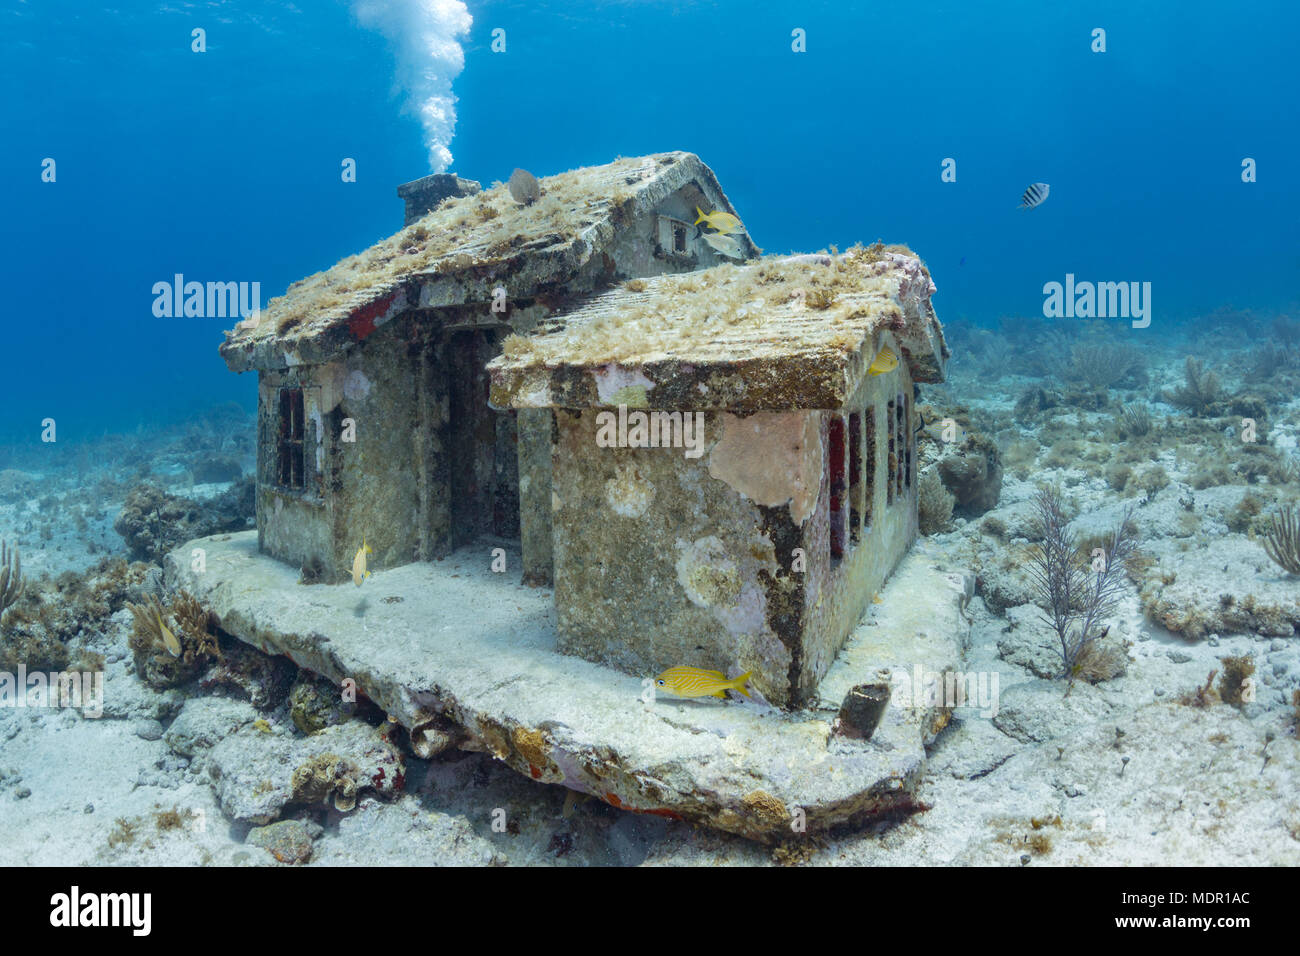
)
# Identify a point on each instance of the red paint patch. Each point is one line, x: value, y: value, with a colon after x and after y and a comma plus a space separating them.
x: 613, y: 800
x: 361, y: 326
x: 378, y: 779
x: 362, y: 322
x: 537, y: 774
x: 399, y: 782
x: 663, y: 812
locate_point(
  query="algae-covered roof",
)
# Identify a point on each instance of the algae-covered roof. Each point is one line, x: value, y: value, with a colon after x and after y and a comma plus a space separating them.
x: 791, y: 333
x: 459, y: 252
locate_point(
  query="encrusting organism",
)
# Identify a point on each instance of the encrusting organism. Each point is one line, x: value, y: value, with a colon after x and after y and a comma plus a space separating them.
x: 1236, y: 684
x: 327, y: 776
x: 933, y: 503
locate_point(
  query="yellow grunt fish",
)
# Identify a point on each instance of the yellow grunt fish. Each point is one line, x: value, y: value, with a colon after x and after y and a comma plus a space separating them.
x: 695, y: 682
x: 886, y: 361
x: 169, y: 639
x: 359, y: 572
x: 724, y: 222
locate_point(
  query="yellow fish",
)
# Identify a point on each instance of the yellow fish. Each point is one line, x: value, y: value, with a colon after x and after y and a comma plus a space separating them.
x: 877, y: 600
x: 169, y: 639
x: 724, y: 222
x: 886, y: 361
x: 359, y: 572
x: 695, y: 682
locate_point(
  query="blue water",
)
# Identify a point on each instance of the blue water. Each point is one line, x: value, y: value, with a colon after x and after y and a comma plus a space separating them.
x: 225, y: 165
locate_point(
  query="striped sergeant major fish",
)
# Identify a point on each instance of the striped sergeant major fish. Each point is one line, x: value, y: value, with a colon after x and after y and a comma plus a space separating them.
x: 1034, y: 195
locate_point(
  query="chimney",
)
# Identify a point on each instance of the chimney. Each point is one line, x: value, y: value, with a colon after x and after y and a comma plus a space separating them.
x: 422, y: 195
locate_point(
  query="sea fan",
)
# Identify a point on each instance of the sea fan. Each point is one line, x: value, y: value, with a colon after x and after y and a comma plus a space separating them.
x: 1102, y: 364
x: 1203, y: 389
x: 11, y: 577
x: 524, y: 188
x: 1282, y: 541
x: 1077, y: 596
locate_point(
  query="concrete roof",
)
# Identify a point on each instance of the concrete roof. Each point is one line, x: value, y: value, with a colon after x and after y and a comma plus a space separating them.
x: 458, y: 253
x: 779, y: 334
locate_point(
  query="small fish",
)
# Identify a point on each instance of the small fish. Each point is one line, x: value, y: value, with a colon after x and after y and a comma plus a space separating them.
x: 262, y: 725
x: 695, y: 682
x: 359, y: 572
x: 523, y: 187
x: 725, y: 244
x: 876, y: 599
x: 572, y: 799
x: 169, y: 639
x: 885, y: 361
x: 1034, y: 195
x: 724, y: 222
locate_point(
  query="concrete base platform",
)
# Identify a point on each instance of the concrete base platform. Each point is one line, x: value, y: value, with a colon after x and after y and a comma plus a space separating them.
x: 452, y: 642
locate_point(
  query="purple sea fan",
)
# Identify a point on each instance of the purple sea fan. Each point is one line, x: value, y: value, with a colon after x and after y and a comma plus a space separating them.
x: 1078, y: 592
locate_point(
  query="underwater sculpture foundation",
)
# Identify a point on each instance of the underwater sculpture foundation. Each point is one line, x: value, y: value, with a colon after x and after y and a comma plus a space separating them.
x: 462, y: 657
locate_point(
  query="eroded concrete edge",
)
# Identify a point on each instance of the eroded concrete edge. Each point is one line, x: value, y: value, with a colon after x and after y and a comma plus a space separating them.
x: 552, y: 753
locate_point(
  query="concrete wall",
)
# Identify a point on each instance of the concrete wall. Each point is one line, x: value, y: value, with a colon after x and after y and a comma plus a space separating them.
x: 535, y: 535
x: 661, y: 559
x: 840, y: 590
x: 657, y: 563
x: 636, y: 254
x: 380, y: 483
x: 388, y: 486
x: 294, y: 526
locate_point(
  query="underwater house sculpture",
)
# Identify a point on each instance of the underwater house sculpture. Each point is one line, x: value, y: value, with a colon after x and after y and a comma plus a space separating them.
x: 372, y: 413
x: 731, y: 482
x: 495, y: 371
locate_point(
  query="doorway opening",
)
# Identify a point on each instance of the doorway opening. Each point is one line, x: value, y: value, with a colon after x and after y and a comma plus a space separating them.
x: 481, y: 443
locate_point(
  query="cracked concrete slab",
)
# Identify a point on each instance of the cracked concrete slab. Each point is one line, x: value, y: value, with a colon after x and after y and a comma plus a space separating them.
x: 453, y: 642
